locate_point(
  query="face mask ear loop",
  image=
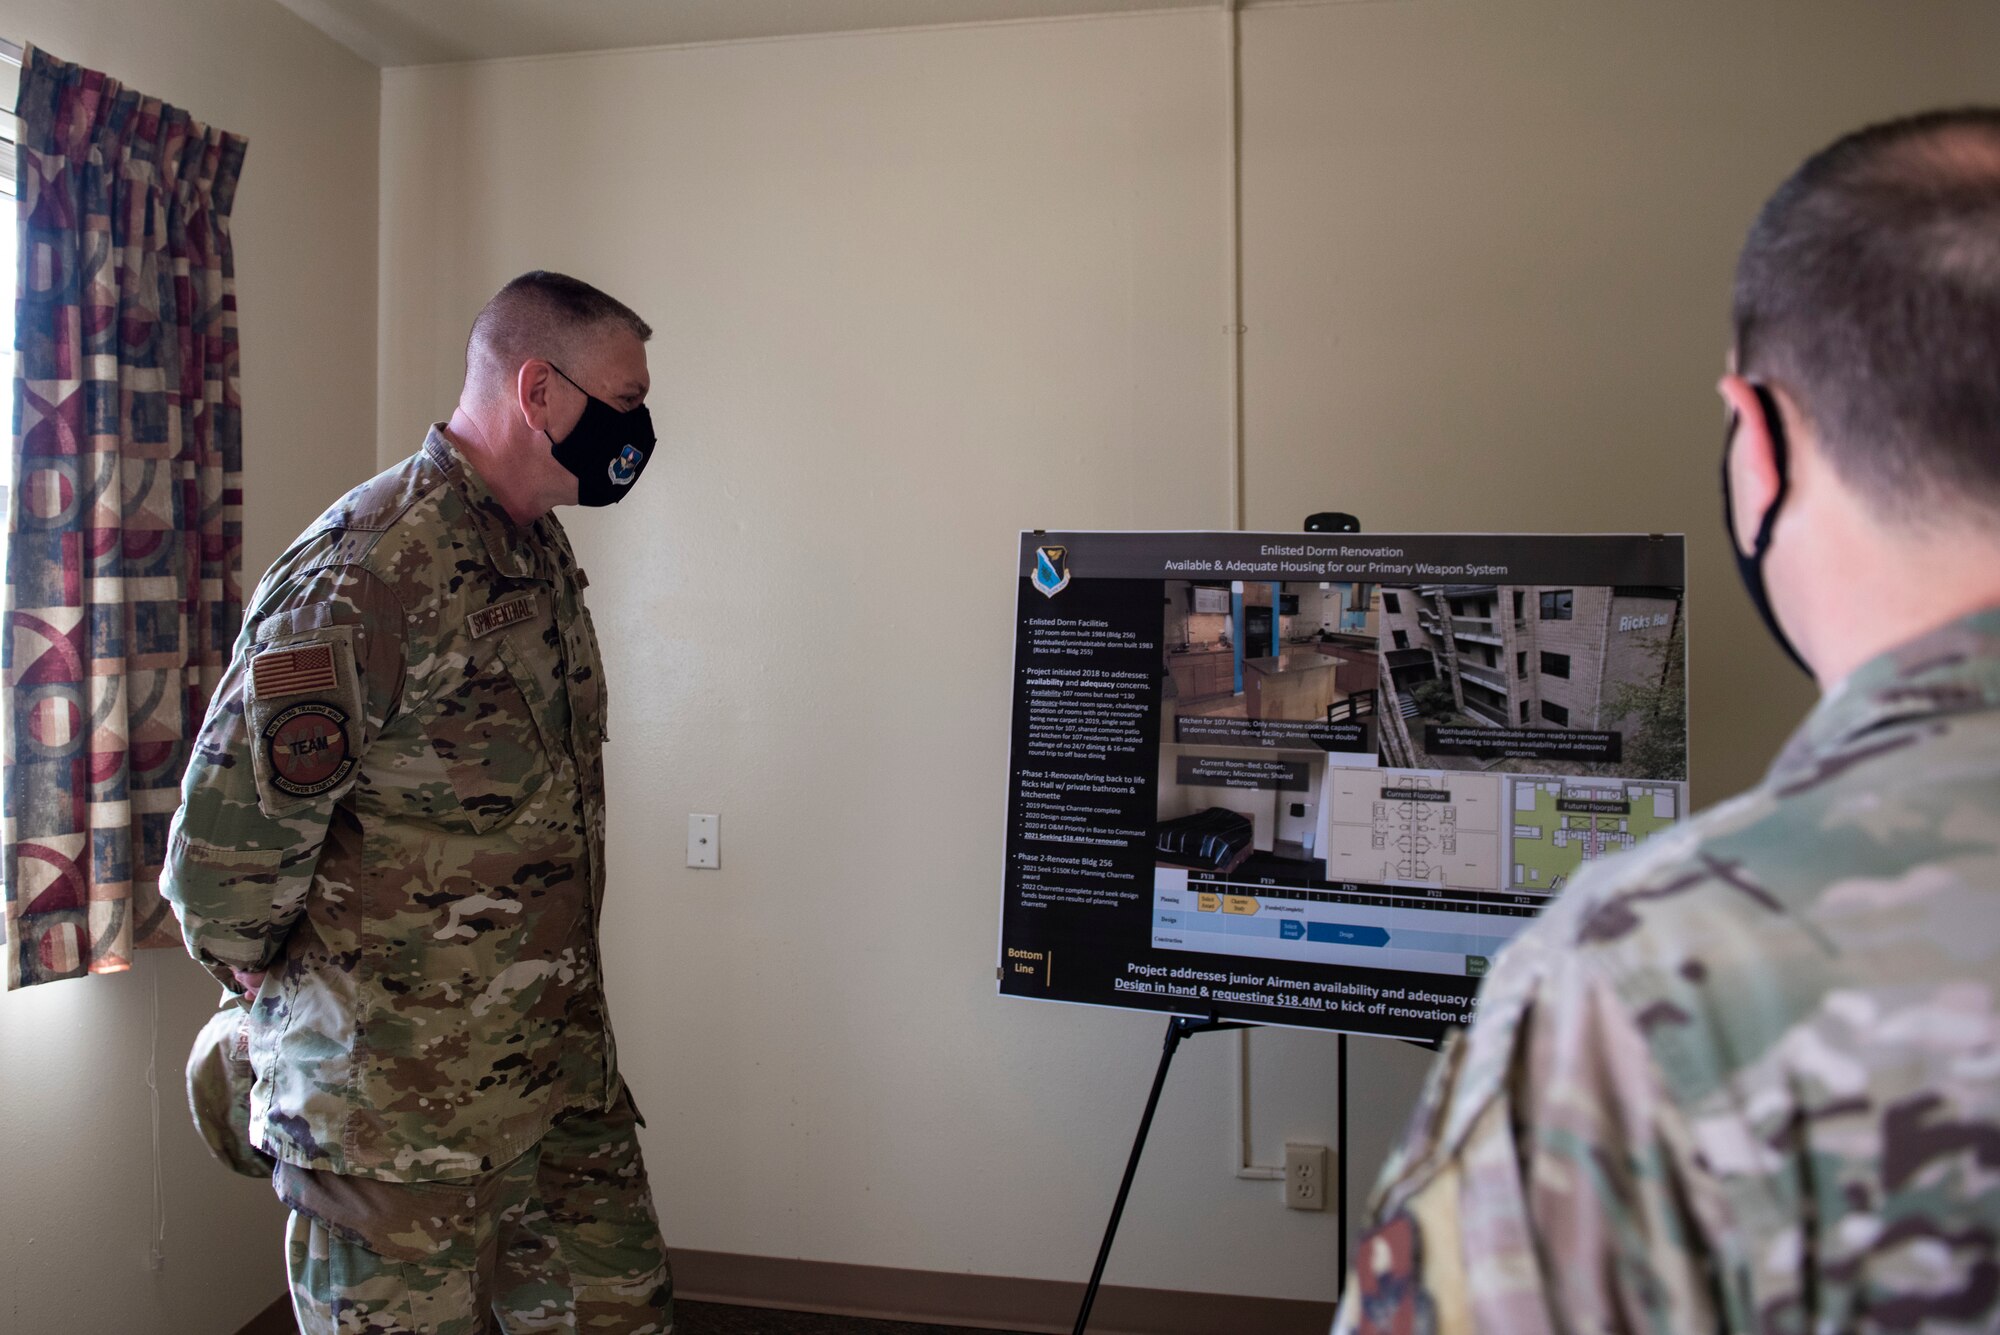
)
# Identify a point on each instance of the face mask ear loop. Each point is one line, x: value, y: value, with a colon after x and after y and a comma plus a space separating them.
x: 1751, y: 566
x: 1774, y: 423
x: 546, y: 434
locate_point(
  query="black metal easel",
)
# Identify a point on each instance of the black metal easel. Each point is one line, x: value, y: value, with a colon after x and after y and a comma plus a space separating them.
x: 1340, y: 1162
x: 1183, y: 1026
x: 1178, y: 1027
x: 1336, y: 521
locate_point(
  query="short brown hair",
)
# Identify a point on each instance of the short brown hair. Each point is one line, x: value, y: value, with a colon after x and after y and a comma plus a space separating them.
x: 1869, y: 289
x: 540, y: 314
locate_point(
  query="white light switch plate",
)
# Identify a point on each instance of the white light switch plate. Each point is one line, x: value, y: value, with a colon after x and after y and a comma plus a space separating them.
x: 704, y: 841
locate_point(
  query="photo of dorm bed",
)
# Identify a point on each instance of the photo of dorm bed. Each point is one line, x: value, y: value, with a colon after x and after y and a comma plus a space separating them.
x: 1251, y: 812
x: 1215, y: 839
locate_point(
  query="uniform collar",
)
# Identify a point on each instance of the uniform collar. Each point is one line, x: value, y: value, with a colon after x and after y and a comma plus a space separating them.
x: 1954, y: 669
x: 513, y: 551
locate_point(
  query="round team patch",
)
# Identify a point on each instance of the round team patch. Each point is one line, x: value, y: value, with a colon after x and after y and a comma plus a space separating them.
x: 307, y: 747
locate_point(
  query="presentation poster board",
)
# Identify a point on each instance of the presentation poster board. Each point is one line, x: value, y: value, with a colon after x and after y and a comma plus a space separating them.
x: 1321, y: 779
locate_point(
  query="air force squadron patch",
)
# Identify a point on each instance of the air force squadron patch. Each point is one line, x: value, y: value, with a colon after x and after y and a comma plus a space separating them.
x: 1051, y: 570
x: 308, y: 749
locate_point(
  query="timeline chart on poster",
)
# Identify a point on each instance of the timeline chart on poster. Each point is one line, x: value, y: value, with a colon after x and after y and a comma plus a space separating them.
x: 1323, y: 779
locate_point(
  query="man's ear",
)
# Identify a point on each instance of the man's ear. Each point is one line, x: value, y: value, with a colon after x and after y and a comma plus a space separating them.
x: 1752, y: 459
x: 531, y: 387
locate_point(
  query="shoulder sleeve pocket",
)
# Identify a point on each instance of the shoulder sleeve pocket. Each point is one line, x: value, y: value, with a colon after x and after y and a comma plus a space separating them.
x: 305, y: 717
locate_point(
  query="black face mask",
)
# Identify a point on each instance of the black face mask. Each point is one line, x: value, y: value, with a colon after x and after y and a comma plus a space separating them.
x: 1751, y: 566
x: 606, y: 449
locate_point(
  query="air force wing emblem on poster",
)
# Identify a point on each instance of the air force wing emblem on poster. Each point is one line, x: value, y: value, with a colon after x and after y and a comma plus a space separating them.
x: 1051, y: 570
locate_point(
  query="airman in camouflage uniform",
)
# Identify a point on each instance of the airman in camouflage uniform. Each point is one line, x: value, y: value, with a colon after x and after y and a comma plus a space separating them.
x: 396, y: 808
x: 1746, y: 1077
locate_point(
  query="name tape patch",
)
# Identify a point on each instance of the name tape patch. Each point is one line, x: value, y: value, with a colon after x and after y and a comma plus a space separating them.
x: 501, y: 615
x: 283, y: 672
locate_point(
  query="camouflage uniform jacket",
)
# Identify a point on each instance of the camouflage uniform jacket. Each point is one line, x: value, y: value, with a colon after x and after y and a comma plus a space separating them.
x: 1747, y: 1076
x: 397, y: 806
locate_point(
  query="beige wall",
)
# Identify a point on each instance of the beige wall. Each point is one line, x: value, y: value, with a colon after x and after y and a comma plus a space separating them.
x: 915, y: 291
x: 1488, y: 252
x: 75, y: 1119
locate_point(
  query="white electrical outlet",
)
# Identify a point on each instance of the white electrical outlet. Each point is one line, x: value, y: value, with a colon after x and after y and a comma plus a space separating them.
x: 1305, y: 1177
x: 704, y: 841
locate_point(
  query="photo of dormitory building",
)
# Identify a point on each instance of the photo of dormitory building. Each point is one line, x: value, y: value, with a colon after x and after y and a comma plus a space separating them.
x: 1564, y: 658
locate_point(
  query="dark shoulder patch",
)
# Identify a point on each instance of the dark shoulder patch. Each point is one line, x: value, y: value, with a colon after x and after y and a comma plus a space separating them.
x: 309, y: 748
x: 304, y: 707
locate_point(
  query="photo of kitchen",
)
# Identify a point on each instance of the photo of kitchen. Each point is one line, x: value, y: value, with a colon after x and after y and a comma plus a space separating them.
x: 1269, y: 653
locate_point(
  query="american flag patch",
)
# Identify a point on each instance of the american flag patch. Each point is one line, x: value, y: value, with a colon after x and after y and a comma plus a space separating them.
x: 293, y: 671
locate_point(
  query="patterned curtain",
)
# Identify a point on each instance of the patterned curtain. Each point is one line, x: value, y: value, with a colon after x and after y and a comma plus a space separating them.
x: 124, y: 558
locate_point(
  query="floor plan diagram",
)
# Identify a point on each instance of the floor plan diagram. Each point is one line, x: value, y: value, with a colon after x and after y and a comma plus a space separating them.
x: 1557, y: 825
x: 1414, y: 827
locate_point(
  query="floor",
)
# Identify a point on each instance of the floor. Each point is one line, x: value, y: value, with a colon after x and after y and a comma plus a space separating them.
x: 716, y: 1319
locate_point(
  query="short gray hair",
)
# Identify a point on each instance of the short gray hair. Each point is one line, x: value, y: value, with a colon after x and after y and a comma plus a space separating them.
x: 540, y: 314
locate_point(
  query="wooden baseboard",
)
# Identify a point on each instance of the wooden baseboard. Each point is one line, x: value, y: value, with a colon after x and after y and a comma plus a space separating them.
x: 273, y: 1320
x: 981, y: 1302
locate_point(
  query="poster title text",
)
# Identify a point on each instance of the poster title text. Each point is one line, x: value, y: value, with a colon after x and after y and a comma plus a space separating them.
x: 1327, y: 562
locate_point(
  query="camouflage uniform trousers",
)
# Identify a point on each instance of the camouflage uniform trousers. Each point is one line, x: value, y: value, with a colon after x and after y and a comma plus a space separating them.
x: 564, y: 1238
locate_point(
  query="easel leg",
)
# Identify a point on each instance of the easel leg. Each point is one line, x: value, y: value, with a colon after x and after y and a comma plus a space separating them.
x: 1178, y: 1027
x: 1340, y: 1161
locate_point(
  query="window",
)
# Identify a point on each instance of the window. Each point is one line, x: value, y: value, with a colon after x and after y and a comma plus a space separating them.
x: 1558, y: 604
x: 1555, y: 665
x: 1402, y: 639
x: 1524, y: 711
x: 1555, y: 714
x: 1392, y: 604
x: 1518, y: 597
x: 1521, y: 662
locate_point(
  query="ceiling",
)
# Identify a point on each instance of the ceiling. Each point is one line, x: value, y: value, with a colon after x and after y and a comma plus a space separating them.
x: 428, y: 32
